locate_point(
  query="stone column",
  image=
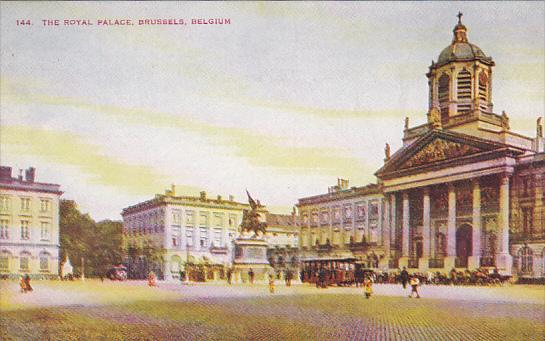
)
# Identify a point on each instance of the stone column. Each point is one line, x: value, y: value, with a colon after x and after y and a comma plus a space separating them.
x: 426, y: 222
x: 404, y: 260
x: 474, y: 259
x: 166, y: 269
x: 393, y: 220
x: 504, y: 261
x: 538, y: 205
x: 385, y: 226
x: 451, y: 228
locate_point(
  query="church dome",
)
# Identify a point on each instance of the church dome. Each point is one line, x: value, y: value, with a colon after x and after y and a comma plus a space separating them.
x: 460, y: 49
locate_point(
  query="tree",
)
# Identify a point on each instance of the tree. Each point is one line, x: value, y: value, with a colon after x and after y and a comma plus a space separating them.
x: 100, y: 244
x: 75, y: 229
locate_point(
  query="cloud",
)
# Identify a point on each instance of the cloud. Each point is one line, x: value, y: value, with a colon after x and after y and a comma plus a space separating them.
x: 69, y: 150
x: 259, y: 150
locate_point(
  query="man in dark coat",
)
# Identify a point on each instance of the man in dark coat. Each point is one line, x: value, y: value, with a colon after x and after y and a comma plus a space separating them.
x: 404, y: 277
x: 322, y: 276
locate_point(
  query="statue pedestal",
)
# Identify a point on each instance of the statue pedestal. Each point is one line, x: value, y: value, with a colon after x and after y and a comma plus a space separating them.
x: 251, y: 253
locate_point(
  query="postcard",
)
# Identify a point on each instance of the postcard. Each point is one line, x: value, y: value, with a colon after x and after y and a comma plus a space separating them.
x: 272, y: 170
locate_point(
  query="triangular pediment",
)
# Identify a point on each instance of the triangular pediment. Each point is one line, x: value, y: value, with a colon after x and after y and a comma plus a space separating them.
x: 439, y: 148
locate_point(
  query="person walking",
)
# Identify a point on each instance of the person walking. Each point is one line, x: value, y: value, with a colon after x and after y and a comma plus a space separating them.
x: 404, y: 278
x: 288, y: 276
x: 368, y: 288
x: 229, y: 275
x: 271, y: 283
x: 28, y: 287
x: 22, y: 284
x: 322, y: 277
x: 152, y: 279
x: 251, y: 276
x: 415, y: 282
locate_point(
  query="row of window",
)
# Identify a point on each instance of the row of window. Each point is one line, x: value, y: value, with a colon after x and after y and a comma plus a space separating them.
x: 464, y: 91
x: 24, y: 229
x: 217, y: 238
x: 347, y: 214
x: 25, y: 204
x: 24, y: 261
x: 138, y: 223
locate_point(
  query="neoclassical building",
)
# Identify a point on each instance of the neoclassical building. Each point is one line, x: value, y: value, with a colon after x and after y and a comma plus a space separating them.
x: 464, y: 190
x: 344, y: 225
x: 29, y: 225
x: 192, y: 230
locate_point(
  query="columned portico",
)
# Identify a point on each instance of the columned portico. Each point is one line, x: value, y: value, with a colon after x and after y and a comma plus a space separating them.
x: 426, y: 222
x: 474, y: 259
x: 404, y: 260
x: 451, y: 227
x: 504, y: 260
x: 386, y: 233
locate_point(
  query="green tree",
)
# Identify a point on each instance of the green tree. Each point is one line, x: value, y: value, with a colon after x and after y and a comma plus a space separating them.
x: 75, y: 232
x: 100, y: 244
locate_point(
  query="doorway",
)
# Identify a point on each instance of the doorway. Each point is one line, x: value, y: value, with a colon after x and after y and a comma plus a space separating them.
x: 464, y: 239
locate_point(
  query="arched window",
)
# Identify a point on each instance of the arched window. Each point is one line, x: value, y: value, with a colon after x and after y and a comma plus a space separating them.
x: 483, y: 90
x: 526, y: 259
x: 24, y: 261
x: 464, y: 91
x: 5, y: 257
x: 44, y: 261
x: 443, y: 96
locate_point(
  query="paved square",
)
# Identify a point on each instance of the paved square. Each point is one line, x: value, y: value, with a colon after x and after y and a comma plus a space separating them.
x: 133, y: 311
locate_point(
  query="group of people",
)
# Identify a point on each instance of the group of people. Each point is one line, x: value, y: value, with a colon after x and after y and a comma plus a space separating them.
x: 412, y: 280
x: 24, y: 282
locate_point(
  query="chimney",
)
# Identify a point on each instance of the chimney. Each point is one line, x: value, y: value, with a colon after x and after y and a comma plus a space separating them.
x: 30, y: 174
x: 231, y: 198
x: 173, y: 189
x: 5, y: 173
x: 203, y: 195
x: 219, y: 198
x: 539, y: 144
x: 20, y: 176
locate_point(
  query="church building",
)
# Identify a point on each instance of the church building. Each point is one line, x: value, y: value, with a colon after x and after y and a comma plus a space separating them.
x: 464, y: 190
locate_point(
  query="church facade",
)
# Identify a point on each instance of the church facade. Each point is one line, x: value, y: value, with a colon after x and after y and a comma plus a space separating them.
x: 464, y: 191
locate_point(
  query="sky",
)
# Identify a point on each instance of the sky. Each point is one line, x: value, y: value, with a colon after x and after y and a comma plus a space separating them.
x: 282, y: 101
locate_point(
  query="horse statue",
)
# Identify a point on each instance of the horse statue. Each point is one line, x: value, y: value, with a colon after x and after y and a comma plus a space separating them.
x: 250, y: 219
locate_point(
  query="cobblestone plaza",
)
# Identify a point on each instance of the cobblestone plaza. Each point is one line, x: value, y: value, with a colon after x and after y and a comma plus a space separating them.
x: 133, y: 311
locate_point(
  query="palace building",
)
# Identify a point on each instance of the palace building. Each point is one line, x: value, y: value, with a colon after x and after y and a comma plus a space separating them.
x: 196, y: 233
x: 343, y: 225
x: 464, y: 190
x: 29, y: 225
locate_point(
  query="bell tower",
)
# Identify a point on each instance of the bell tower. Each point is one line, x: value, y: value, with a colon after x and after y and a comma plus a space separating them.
x: 460, y: 82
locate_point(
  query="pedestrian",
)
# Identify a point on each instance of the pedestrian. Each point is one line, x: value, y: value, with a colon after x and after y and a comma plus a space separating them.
x: 22, y: 284
x: 288, y: 276
x: 322, y: 277
x: 404, y: 277
x: 430, y: 277
x: 271, y: 283
x: 28, y: 287
x: 368, y: 288
x: 182, y: 276
x: 251, y: 275
x: 229, y: 275
x: 415, y: 282
x: 152, y: 279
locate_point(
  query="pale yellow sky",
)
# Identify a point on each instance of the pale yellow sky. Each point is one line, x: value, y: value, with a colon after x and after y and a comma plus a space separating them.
x: 282, y: 101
